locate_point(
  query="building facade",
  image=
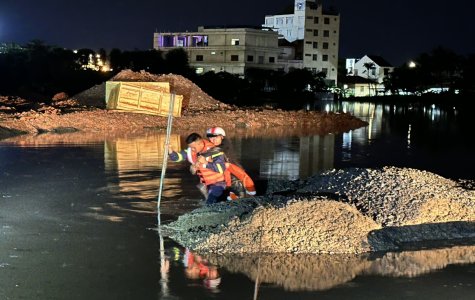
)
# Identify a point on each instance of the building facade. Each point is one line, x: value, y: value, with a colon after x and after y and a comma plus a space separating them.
x: 232, y: 50
x: 318, y: 29
x: 369, y: 72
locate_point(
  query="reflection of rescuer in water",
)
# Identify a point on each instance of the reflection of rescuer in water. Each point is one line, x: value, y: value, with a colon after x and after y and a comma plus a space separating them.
x: 199, y: 268
x: 207, y: 161
x: 237, y: 179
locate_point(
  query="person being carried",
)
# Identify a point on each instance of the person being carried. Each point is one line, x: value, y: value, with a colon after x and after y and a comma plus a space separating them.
x: 236, y: 178
x: 207, y: 161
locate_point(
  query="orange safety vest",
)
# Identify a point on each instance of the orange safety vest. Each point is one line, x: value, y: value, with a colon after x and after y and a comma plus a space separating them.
x: 232, y: 169
x: 207, y: 176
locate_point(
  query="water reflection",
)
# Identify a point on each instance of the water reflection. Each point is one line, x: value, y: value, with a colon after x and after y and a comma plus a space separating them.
x: 134, y: 163
x: 286, y: 158
x: 297, y: 272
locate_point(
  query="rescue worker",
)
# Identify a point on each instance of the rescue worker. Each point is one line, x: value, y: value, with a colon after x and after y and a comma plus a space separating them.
x: 207, y: 161
x: 235, y: 176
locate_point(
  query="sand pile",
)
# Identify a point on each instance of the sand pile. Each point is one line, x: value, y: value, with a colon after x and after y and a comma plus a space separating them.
x: 344, y: 211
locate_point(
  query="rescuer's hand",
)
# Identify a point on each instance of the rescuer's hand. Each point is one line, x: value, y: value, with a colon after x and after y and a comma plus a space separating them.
x: 202, y: 160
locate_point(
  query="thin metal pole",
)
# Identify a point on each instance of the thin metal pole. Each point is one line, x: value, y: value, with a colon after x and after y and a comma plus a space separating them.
x: 165, y: 154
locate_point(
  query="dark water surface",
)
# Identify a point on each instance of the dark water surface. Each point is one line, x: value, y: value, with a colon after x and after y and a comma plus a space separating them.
x: 78, y: 217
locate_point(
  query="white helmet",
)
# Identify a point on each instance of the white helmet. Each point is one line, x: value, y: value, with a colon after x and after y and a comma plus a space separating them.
x: 214, y: 131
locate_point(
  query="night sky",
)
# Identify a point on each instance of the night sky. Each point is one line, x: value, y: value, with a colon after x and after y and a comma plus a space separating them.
x: 397, y: 30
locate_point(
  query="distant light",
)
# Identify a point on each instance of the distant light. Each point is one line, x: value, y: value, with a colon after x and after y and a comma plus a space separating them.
x: 411, y: 64
x: 75, y: 51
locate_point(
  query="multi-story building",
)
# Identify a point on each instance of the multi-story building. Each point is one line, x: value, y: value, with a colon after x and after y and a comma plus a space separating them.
x: 319, y: 30
x: 229, y: 49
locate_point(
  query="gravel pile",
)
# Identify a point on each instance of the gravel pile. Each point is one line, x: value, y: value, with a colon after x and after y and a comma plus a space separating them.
x: 340, y: 211
x: 397, y: 196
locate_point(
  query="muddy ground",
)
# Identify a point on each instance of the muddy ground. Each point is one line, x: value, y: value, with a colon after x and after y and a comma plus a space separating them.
x: 86, y: 112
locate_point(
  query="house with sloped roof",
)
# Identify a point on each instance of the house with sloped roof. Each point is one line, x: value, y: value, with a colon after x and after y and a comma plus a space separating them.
x: 373, y: 68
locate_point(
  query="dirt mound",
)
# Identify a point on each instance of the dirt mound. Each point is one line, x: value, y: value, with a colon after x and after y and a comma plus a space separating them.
x: 194, y: 99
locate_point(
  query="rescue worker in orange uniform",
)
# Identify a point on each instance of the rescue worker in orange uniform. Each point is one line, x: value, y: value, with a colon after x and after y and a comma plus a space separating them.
x: 207, y: 161
x: 233, y: 172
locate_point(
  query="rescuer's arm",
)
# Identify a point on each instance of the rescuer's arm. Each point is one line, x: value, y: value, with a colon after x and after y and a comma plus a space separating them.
x: 177, y: 156
x: 215, y: 161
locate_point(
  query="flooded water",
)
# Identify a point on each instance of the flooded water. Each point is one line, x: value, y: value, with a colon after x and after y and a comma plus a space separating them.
x: 78, y: 215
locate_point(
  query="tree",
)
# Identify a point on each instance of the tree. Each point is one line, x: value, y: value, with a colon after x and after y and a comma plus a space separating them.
x: 369, y: 66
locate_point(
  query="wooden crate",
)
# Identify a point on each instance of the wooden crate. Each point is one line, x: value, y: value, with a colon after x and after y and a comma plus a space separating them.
x: 142, y: 97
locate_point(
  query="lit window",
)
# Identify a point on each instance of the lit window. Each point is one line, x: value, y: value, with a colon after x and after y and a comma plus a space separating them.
x: 235, y: 42
x: 213, y: 52
x: 199, y: 70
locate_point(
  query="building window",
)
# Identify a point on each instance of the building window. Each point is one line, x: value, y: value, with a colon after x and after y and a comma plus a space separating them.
x: 199, y: 57
x: 250, y: 58
x: 213, y: 52
x: 325, y: 71
x: 315, y: 32
x: 326, y: 33
x: 235, y: 42
x: 324, y: 57
x: 314, y: 57
x: 199, y: 70
x: 272, y: 59
x: 308, y: 42
x: 234, y: 57
x: 261, y: 59
x: 362, y: 89
x: 315, y: 45
x: 326, y: 21
x: 308, y: 30
x: 308, y: 55
x: 289, y: 20
x: 315, y: 20
x: 325, y: 45
x: 309, y: 17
